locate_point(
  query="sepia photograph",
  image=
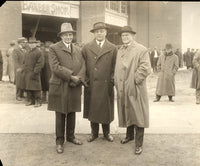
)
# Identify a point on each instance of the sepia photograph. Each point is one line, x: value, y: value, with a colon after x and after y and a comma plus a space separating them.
x: 100, y: 83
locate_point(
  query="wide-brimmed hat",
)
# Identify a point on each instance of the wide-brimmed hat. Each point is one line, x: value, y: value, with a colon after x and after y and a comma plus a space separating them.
x: 21, y: 39
x: 66, y: 27
x: 98, y: 25
x: 168, y: 46
x: 126, y: 29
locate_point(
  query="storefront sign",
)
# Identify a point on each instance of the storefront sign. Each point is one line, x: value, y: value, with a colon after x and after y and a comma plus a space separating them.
x: 46, y: 8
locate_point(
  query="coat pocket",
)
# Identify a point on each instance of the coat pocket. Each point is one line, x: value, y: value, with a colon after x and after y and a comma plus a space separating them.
x: 55, y: 88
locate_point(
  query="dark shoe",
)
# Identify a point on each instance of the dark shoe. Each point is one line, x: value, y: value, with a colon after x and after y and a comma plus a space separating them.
x: 171, y: 100
x: 156, y: 100
x: 75, y: 141
x: 28, y: 103
x: 126, y: 140
x: 138, y: 150
x: 37, y: 104
x: 109, y: 138
x: 92, y: 138
x: 59, y: 149
x: 18, y: 98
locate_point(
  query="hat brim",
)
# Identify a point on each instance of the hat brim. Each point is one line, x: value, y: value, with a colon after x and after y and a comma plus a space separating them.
x: 60, y: 33
x: 98, y: 29
x: 133, y: 32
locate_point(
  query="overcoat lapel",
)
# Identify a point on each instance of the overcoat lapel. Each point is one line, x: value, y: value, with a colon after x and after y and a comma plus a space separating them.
x: 64, y: 48
x: 100, y: 51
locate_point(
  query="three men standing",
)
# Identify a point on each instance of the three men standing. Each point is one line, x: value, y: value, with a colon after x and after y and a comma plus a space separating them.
x: 68, y: 71
x: 100, y: 57
x: 132, y: 68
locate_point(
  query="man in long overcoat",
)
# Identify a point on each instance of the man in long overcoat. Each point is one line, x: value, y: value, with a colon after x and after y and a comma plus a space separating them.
x: 131, y: 70
x: 10, y: 64
x: 188, y: 58
x: 68, y: 71
x: 154, y: 56
x: 32, y: 67
x: 100, y: 57
x: 18, y: 56
x: 195, y: 83
x: 167, y: 66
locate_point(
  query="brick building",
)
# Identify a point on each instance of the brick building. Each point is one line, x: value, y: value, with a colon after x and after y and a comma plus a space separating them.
x: 156, y: 23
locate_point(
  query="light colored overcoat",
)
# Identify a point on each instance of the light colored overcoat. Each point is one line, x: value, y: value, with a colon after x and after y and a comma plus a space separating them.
x: 167, y: 67
x: 132, y: 67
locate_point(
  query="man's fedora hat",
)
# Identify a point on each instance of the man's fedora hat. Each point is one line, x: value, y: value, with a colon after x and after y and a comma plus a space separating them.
x: 98, y: 25
x: 66, y: 28
x: 168, y: 46
x: 126, y: 29
x: 21, y: 39
x: 32, y: 40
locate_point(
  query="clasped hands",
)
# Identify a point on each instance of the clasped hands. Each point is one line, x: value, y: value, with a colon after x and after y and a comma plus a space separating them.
x: 74, y: 81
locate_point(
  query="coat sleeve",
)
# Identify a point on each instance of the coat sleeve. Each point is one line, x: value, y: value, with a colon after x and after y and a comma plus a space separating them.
x: 16, y: 59
x: 195, y: 61
x: 144, y: 68
x: 176, y: 64
x: 60, y: 71
x: 39, y: 64
x: 83, y: 52
x: 113, y: 65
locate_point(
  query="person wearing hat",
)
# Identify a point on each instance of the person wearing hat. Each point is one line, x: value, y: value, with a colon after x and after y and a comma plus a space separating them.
x: 68, y: 72
x: 18, y: 57
x: 131, y: 70
x: 10, y: 63
x: 100, y: 57
x: 167, y: 66
x: 32, y: 67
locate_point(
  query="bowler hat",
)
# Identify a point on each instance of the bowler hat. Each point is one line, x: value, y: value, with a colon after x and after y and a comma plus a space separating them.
x: 98, y: 25
x: 13, y: 42
x: 21, y: 39
x: 126, y: 29
x: 168, y: 46
x: 66, y: 27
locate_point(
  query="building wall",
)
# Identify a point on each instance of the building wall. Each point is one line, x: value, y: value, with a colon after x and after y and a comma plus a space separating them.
x: 10, y: 25
x: 165, y: 24
x: 90, y: 12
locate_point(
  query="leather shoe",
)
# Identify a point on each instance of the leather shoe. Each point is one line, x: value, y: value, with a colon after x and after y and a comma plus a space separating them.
x: 126, y: 140
x: 28, y: 103
x: 18, y: 98
x: 59, y: 149
x: 171, y: 100
x: 75, y: 141
x: 156, y: 100
x: 138, y: 150
x: 109, y: 138
x: 92, y: 138
x: 37, y: 104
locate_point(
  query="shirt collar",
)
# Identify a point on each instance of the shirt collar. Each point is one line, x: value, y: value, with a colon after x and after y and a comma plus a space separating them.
x: 67, y: 44
x: 102, y: 42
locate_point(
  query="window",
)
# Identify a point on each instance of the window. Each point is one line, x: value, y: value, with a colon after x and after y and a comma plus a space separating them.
x: 117, y: 6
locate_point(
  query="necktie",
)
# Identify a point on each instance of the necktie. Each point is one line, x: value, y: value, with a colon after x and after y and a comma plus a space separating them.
x: 99, y: 44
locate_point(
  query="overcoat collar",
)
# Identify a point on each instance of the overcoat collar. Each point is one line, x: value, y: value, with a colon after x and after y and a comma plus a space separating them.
x: 124, y: 50
x: 107, y: 47
x: 64, y: 48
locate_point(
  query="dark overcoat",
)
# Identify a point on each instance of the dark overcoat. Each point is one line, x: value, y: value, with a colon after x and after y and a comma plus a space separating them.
x: 32, y: 67
x: 99, y: 95
x: 63, y: 63
x: 18, y: 59
x: 195, y: 83
x: 46, y: 71
x: 188, y: 58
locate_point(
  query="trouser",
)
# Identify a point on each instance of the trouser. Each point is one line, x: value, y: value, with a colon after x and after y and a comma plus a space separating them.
x: 158, y: 97
x: 65, y: 122
x: 198, y: 96
x: 34, y: 95
x: 19, y: 92
x: 44, y: 96
x: 95, y: 129
x: 139, y: 134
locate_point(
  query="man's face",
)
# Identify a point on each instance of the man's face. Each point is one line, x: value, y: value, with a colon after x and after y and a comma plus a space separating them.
x: 24, y: 43
x: 168, y: 50
x: 67, y: 37
x: 32, y: 45
x: 126, y: 37
x: 100, y: 34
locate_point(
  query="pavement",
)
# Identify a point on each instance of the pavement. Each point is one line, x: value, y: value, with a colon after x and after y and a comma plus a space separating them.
x: 182, y: 116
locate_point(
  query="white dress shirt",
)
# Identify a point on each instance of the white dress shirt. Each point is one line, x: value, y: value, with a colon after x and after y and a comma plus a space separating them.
x: 100, y: 43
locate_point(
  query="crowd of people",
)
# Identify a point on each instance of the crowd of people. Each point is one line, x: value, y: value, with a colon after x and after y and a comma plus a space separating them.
x: 62, y: 68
